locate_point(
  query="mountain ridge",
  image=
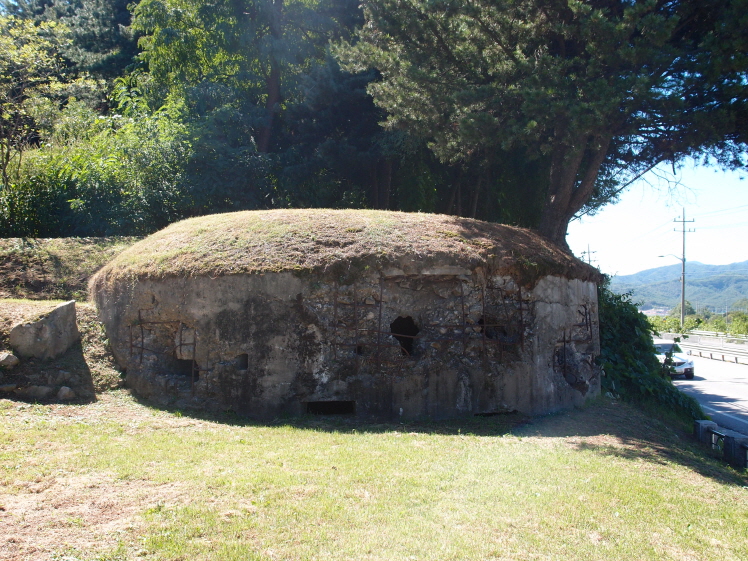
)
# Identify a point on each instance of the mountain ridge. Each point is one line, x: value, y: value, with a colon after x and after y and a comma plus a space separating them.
x: 715, y: 286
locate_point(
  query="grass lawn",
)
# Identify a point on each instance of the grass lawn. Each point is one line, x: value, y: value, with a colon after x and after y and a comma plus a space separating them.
x: 116, y: 479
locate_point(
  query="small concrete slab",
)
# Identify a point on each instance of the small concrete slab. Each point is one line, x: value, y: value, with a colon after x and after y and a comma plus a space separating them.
x: 48, y: 337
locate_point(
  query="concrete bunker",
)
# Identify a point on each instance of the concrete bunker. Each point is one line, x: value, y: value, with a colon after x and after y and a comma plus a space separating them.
x: 368, y: 313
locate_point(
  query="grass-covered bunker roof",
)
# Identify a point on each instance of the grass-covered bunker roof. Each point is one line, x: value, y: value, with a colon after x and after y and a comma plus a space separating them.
x: 339, y: 244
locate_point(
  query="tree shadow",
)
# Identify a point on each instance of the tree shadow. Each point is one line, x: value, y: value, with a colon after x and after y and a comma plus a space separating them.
x: 625, y: 431
x: 473, y: 425
x: 70, y: 370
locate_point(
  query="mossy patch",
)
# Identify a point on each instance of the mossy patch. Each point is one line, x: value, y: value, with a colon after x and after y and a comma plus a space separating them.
x: 339, y: 244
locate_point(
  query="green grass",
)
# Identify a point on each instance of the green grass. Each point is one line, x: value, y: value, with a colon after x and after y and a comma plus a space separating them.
x: 607, y: 482
x: 334, y: 241
x: 54, y: 267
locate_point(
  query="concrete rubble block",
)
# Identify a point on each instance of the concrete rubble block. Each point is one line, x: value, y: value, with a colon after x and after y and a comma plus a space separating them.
x: 35, y: 392
x: 701, y: 431
x: 8, y: 360
x: 65, y: 394
x: 48, y: 337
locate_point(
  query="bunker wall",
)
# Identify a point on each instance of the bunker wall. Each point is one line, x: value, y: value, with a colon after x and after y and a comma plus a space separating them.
x: 441, y: 343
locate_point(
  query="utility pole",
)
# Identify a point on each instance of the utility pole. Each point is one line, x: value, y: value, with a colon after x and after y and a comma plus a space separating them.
x: 588, y: 253
x: 684, y: 231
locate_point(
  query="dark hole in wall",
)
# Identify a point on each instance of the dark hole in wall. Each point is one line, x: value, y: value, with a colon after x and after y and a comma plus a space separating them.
x: 359, y: 349
x: 491, y: 328
x: 184, y: 368
x: 242, y: 362
x: 404, y: 329
x: 331, y: 407
x: 497, y: 332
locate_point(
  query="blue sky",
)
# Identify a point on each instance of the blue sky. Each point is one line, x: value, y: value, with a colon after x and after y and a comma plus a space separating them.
x: 629, y: 236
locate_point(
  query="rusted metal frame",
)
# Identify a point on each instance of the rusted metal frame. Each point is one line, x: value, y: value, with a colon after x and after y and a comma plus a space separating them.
x: 142, y: 333
x: 586, y: 323
x: 355, y: 326
x: 483, y: 318
x: 335, y: 322
x: 379, y: 325
x: 507, y: 315
x: 143, y: 348
x: 564, y: 355
x: 464, y: 318
x: 339, y: 324
x: 521, y: 318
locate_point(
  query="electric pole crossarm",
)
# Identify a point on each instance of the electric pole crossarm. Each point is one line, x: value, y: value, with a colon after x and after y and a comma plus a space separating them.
x: 684, y: 231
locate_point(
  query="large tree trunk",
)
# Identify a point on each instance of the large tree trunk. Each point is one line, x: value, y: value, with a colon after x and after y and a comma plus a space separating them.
x: 273, y: 79
x: 573, y: 175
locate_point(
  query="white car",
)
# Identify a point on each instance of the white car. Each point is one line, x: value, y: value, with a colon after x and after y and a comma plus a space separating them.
x: 682, y: 363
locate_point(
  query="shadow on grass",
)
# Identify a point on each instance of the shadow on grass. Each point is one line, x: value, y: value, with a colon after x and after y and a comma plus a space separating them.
x: 492, y: 425
x: 605, y: 427
x: 71, y: 370
x: 612, y: 428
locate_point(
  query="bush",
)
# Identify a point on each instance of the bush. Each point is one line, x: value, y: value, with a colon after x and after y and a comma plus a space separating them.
x: 127, y: 176
x: 627, y: 355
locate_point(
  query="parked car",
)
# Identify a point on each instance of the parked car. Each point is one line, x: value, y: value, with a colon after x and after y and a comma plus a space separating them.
x: 682, y: 363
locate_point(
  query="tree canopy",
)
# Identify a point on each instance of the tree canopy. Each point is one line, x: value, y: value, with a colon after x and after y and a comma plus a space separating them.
x: 30, y: 67
x: 595, y: 92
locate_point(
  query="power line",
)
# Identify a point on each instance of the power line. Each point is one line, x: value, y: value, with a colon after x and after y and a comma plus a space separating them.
x: 684, y: 231
x: 725, y: 210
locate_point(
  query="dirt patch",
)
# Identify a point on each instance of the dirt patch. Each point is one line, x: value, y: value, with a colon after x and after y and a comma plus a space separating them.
x: 77, y: 514
x: 86, y: 512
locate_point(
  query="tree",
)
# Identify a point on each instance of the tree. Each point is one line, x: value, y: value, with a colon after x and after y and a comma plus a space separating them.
x: 690, y: 310
x: 101, y: 40
x: 595, y: 92
x: 30, y: 67
x: 244, y: 54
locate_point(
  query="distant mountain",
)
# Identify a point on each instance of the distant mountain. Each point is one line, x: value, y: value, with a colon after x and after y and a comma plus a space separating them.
x: 715, y: 286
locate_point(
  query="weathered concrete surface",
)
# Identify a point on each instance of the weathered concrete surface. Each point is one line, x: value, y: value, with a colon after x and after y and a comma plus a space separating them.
x: 48, y: 337
x: 272, y: 344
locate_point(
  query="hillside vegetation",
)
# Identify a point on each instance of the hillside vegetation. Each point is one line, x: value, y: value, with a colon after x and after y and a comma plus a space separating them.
x: 716, y: 286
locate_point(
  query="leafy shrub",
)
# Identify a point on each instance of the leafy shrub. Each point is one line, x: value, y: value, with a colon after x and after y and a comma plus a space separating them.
x: 127, y: 176
x: 627, y: 355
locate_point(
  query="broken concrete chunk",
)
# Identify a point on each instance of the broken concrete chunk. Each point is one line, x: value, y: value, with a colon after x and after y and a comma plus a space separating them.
x: 65, y: 394
x: 48, y: 337
x: 8, y: 360
x: 35, y: 392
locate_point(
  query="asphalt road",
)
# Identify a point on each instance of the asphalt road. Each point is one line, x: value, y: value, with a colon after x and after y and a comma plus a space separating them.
x: 722, y: 390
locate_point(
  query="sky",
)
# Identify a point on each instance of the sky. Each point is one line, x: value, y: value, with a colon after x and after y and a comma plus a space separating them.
x: 629, y: 236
